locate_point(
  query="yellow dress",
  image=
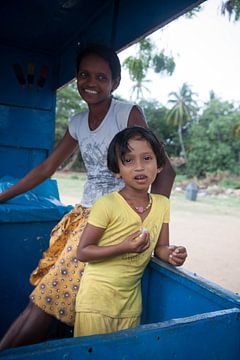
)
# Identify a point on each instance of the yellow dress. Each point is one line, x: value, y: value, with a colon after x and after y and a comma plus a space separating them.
x: 109, y: 298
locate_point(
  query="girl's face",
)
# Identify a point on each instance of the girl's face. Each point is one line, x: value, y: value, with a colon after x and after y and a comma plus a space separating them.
x: 94, y: 79
x: 139, y: 168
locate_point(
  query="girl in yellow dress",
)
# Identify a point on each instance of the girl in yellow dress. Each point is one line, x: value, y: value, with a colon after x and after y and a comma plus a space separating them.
x: 112, y: 244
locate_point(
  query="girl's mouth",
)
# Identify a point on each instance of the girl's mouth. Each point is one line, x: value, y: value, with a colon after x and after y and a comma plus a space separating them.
x: 92, y: 92
x: 140, y: 177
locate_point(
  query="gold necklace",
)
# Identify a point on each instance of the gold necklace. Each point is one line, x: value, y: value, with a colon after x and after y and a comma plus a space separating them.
x: 141, y: 209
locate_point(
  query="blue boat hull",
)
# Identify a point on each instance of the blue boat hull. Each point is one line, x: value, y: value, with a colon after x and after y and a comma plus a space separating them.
x: 184, y: 317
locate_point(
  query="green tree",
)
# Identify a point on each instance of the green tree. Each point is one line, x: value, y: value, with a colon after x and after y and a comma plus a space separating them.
x: 183, y: 110
x: 212, y: 144
x: 68, y: 104
x: 145, y: 59
x: 231, y: 8
x: 155, y: 114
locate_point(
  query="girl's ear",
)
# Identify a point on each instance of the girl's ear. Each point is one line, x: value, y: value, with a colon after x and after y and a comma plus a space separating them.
x: 117, y: 175
x: 116, y: 83
x: 159, y: 170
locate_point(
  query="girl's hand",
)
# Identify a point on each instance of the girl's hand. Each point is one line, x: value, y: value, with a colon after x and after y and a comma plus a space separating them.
x: 177, y: 255
x: 136, y: 243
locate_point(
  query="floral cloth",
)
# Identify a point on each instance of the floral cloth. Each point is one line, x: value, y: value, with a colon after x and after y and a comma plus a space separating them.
x: 58, y: 275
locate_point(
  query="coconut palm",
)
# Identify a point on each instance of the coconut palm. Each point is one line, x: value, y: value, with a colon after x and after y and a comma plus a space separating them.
x: 183, y: 109
x: 146, y: 58
x: 231, y: 8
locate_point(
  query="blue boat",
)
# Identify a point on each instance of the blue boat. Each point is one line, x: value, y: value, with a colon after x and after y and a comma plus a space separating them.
x: 184, y: 316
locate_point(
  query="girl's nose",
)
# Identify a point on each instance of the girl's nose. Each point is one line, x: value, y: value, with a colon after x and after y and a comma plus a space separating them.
x: 91, y: 81
x: 139, y: 165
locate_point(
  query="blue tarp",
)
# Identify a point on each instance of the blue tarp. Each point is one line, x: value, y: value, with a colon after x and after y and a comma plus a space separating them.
x: 39, y: 204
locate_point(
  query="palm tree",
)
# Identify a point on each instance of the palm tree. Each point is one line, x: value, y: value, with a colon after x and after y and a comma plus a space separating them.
x: 231, y: 8
x: 182, y: 111
x: 146, y: 58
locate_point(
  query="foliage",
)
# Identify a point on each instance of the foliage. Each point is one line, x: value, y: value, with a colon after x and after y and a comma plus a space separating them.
x: 231, y: 8
x: 190, y: 14
x: 232, y: 183
x: 212, y: 140
x: 155, y: 114
x: 184, y: 109
x: 146, y: 58
x: 68, y: 104
x: 212, y: 145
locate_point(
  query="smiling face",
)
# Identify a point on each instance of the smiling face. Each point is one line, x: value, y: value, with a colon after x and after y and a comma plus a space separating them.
x: 139, y: 166
x: 94, y: 79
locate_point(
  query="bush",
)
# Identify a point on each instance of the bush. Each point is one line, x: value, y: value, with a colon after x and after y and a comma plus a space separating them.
x: 232, y: 183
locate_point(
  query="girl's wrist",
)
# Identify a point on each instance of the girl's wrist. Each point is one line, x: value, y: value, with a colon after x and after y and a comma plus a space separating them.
x: 164, y: 253
x: 121, y: 248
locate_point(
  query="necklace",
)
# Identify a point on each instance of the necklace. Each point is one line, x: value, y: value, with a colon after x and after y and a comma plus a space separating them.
x: 141, y: 209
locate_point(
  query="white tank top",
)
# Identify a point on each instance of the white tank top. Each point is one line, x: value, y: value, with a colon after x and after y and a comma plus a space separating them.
x: 94, y: 144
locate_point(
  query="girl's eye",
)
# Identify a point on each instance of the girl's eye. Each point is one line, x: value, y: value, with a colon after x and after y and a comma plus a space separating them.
x: 82, y: 75
x: 148, y: 157
x: 128, y: 161
x: 102, y: 77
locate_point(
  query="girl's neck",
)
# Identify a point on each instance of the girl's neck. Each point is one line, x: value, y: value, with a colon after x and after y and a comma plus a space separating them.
x: 134, y: 195
x: 140, y: 201
x: 97, y: 113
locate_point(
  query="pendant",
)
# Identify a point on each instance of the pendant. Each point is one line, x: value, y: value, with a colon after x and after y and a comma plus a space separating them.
x: 140, y: 209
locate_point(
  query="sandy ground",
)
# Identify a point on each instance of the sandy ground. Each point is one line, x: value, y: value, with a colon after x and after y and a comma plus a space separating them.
x: 211, y: 236
x: 213, y: 244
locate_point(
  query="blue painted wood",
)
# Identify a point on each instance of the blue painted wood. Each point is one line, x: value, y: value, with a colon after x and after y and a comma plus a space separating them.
x: 25, y: 225
x: 22, y: 245
x: 26, y: 138
x: 213, y: 335
x: 169, y: 331
x: 12, y: 92
x: 24, y: 159
x: 56, y: 29
x: 27, y: 110
x: 30, y: 128
x: 173, y: 292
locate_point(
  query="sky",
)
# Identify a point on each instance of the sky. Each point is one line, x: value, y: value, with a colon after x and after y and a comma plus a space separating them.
x: 206, y: 50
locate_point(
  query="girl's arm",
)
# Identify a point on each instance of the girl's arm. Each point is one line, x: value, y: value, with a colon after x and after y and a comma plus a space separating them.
x: 88, y: 249
x: 164, y: 181
x: 174, y: 255
x: 44, y: 170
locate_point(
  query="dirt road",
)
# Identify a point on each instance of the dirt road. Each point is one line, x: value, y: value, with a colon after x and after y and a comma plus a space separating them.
x: 213, y: 243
